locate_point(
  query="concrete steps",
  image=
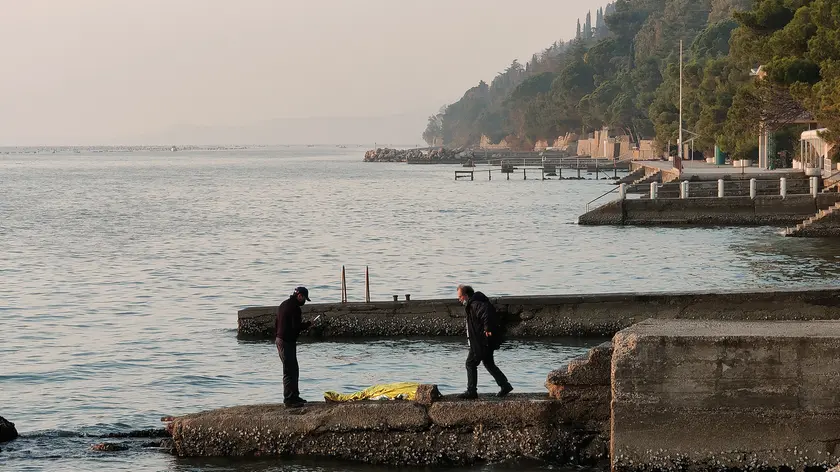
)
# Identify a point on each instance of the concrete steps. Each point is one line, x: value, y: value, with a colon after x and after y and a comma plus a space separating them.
x: 822, y: 214
x: 632, y: 176
x: 641, y: 184
x: 833, y: 186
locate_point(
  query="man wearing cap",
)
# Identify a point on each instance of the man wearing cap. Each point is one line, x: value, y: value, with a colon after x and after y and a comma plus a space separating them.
x: 289, y: 326
x: 483, y: 337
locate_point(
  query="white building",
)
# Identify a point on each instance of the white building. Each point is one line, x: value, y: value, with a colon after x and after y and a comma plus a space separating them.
x: 814, y: 154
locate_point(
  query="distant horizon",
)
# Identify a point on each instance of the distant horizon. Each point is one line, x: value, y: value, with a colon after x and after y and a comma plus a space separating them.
x: 115, y: 71
x: 165, y: 146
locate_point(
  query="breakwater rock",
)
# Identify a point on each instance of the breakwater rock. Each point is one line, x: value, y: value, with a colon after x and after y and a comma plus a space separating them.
x: 7, y: 430
x: 417, y: 155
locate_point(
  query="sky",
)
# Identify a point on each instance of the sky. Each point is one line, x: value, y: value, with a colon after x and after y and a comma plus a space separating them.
x: 138, y: 71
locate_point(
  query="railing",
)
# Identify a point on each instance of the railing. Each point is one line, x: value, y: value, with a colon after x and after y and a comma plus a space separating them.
x: 835, y: 184
x: 589, y: 204
x: 344, y: 286
x: 620, y: 159
x: 563, y: 162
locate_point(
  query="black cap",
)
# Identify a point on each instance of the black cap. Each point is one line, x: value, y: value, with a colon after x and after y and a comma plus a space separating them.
x: 303, y: 291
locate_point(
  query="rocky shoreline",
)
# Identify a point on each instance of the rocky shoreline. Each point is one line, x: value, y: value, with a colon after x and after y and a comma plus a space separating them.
x: 418, y: 155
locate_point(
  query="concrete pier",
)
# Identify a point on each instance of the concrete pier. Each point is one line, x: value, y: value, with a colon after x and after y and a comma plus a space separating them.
x: 711, y: 211
x: 665, y: 394
x: 724, y: 395
x: 591, y: 315
x: 447, y: 432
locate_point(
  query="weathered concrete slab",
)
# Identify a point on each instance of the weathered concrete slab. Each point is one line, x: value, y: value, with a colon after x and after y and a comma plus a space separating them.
x: 398, y: 432
x: 588, y: 375
x: 725, y: 394
x: 538, y: 316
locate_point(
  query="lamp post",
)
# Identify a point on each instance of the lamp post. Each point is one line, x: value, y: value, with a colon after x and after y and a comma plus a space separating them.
x: 680, y: 142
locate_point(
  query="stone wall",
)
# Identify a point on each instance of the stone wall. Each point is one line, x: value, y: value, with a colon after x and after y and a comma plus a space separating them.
x: 710, y: 211
x: 563, y: 315
x: 711, y: 395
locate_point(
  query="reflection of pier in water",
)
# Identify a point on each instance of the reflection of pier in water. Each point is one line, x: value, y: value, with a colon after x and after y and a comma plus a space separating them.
x: 545, y: 166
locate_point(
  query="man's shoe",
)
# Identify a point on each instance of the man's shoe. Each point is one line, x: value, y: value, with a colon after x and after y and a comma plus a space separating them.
x: 468, y: 395
x: 505, y: 390
x: 293, y: 403
x: 299, y: 400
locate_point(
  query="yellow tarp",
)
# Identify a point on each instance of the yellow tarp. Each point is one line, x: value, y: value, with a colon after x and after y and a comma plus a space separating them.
x: 393, y: 391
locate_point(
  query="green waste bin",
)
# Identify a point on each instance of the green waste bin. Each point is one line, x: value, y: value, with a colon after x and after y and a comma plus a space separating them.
x: 720, y: 157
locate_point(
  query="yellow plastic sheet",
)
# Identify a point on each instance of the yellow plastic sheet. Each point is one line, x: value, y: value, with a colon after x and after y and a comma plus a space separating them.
x: 393, y: 391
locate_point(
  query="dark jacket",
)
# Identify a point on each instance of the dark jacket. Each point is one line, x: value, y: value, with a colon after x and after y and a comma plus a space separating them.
x: 481, y: 317
x: 290, y: 322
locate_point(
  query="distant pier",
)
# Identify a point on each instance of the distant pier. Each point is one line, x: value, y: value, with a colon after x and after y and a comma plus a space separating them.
x: 544, y: 166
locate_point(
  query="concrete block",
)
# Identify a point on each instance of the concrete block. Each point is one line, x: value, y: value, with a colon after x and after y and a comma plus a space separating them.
x: 721, y: 394
x: 798, y: 206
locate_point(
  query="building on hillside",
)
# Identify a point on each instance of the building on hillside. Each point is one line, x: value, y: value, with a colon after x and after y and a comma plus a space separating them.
x: 815, y: 154
x: 485, y: 143
x: 600, y: 144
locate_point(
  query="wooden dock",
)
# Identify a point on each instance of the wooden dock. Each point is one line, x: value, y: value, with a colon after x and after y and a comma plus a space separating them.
x: 470, y: 174
x: 546, y: 169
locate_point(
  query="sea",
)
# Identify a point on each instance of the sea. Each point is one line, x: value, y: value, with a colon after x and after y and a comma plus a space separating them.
x: 122, y: 269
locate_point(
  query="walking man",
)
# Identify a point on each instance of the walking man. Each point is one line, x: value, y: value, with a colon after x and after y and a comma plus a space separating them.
x: 484, y: 337
x: 289, y: 326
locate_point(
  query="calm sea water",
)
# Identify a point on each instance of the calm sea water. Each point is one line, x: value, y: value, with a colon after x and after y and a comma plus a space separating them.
x: 121, y: 275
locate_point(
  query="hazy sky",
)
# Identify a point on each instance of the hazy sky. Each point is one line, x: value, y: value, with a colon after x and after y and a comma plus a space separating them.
x: 85, y: 71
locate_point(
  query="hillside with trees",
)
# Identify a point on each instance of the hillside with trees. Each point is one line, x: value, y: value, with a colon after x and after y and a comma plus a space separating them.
x: 622, y: 71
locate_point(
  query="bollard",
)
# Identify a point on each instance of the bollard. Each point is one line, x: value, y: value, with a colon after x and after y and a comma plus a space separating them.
x: 720, y: 188
x: 815, y: 186
x: 783, y: 187
x: 622, y: 191
x: 653, y: 190
x: 752, y: 188
x: 407, y: 297
x: 396, y: 298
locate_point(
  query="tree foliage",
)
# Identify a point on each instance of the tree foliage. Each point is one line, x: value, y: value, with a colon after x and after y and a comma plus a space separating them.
x: 622, y: 72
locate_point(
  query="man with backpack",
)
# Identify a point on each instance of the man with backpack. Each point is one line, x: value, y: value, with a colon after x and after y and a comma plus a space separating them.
x: 484, y: 337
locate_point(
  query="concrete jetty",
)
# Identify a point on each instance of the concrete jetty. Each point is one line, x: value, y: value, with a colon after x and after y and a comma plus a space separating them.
x: 726, y: 395
x: 591, y: 315
x: 570, y: 425
x: 711, y: 211
x: 664, y: 394
x: 702, y: 195
x: 446, y: 432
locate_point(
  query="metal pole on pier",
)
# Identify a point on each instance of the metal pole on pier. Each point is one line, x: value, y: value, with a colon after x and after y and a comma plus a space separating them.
x: 343, y: 286
x: 680, y: 150
x: 367, y: 285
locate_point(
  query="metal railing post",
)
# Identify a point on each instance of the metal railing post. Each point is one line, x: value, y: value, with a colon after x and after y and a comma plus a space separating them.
x: 343, y: 286
x: 367, y: 285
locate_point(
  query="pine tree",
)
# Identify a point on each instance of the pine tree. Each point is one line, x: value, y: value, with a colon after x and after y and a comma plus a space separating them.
x: 599, y: 23
x: 578, y: 30
x: 587, y: 26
